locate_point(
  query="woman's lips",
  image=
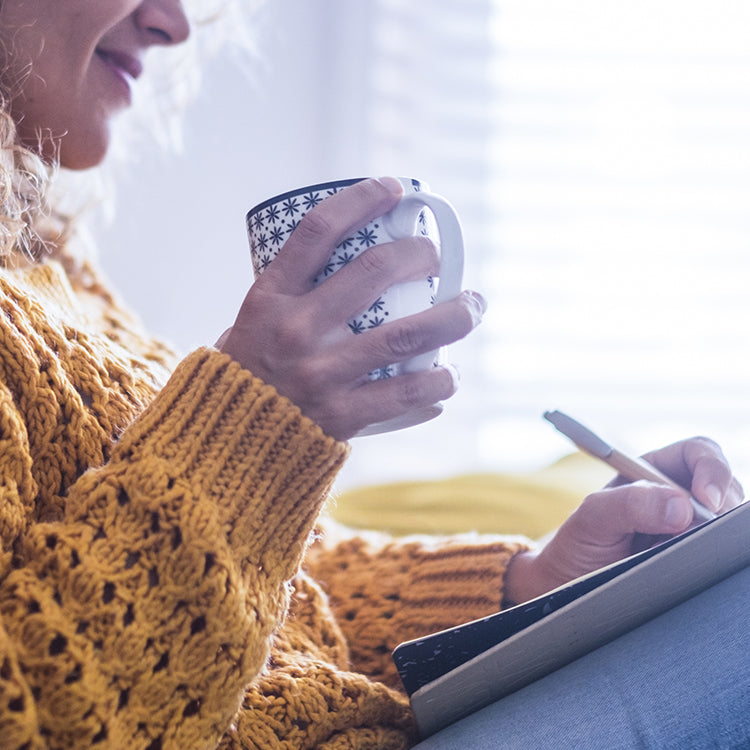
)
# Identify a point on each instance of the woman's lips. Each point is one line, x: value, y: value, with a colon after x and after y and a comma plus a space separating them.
x: 124, y: 67
x: 131, y: 66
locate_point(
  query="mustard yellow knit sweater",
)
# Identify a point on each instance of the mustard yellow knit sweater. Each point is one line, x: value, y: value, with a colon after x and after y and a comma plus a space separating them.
x: 157, y: 584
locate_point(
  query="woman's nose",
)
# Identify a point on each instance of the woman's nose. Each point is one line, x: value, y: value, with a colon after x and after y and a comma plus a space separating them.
x: 163, y: 21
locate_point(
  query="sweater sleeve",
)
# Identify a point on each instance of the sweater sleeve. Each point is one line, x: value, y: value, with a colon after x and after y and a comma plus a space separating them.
x: 138, y: 619
x: 385, y: 590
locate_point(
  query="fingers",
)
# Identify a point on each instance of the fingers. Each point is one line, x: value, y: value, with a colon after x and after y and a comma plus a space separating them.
x: 609, y: 525
x: 354, y: 408
x: 386, y: 399
x: 321, y: 229
x: 625, y: 518
x: 294, y: 335
x: 403, y: 339
x: 355, y: 286
x: 615, y: 513
x: 700, y: 465
x: 713, y: 483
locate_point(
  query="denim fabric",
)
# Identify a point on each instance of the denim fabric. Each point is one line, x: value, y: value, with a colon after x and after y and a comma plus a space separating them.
x: 679, y: 682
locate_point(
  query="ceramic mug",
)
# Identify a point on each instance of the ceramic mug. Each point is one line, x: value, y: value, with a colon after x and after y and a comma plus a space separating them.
x: 419, y: 212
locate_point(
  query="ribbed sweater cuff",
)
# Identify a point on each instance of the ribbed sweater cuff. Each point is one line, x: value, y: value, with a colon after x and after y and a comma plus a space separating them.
x: 251, y: 452
x: 457, y: 584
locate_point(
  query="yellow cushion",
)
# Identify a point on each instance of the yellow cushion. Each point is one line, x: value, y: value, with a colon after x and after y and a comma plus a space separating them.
x: 530, y: 504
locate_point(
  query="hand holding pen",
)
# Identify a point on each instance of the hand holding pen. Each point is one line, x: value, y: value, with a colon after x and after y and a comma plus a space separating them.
x: 628, y: 516
x: 632, y: 469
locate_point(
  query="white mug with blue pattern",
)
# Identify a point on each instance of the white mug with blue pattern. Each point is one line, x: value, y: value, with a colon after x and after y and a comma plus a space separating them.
x: 419, y: 211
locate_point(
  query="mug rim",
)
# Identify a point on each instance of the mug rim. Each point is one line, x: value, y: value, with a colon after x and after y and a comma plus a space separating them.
x: 317, y: 186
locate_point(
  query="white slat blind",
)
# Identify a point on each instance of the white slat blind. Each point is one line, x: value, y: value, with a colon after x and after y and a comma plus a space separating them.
x: 599, y: 154
x: 621, y: 172
x: 429, y: 114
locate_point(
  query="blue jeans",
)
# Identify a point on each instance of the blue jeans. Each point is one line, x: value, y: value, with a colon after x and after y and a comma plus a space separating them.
x: 681, y: 682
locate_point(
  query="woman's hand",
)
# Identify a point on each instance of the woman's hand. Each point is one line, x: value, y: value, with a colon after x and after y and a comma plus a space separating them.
x: 624, y: 518
x: 294, y: 335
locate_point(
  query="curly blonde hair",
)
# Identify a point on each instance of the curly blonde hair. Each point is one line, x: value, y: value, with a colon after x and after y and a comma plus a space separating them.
x: 26, y: 219
x: 34, y: 218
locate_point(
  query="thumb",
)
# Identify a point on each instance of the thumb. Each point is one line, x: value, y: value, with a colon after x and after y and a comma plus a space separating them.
x: 222, y: 339
x: 637, y: 508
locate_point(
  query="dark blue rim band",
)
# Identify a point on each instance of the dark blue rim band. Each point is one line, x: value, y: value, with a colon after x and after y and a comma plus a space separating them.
x: 311, y: 189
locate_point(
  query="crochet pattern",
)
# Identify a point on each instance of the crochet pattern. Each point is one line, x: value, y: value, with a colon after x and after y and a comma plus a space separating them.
x: 153, y: 519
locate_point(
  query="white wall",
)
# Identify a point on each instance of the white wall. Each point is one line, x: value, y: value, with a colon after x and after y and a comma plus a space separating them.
x: 179, y: 254
x: 177, y: 248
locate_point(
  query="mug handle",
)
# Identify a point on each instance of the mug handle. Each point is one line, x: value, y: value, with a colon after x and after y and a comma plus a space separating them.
x: 401, y: 222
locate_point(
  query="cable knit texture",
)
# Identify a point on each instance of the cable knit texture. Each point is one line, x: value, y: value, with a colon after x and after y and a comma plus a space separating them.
x: 154, y: 518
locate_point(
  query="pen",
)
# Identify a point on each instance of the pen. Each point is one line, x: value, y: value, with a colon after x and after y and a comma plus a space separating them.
x: 632, y: 469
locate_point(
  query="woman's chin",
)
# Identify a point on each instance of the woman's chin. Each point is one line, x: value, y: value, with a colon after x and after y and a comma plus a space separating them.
x: 83, y: 153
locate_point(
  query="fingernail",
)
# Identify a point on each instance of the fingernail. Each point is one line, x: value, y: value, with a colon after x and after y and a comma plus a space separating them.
x: 481, y: 300
x: 477, y: 305
x: 713, y: 496
x: 677, y: 512
x: 393, y: 185
x: 455, y: 375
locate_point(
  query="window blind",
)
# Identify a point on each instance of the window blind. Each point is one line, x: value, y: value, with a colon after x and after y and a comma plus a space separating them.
x: 599, y: 156
x: 621, y: 175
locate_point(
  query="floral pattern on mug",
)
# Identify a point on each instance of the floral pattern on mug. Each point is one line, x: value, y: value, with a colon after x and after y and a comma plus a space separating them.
x: 270, y: 224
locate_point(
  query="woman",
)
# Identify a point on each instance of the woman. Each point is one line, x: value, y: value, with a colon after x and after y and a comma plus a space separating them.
x: 155, y: 514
